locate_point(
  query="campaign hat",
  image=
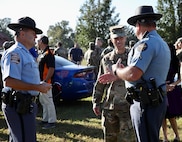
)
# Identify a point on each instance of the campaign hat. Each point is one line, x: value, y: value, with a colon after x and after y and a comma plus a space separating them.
x: 117, y: 31
x: 25, y: 22
x: 144, y: 12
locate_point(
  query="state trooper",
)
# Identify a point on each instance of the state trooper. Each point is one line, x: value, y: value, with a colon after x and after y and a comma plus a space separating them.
x: 116, y: 122
x: 21, y: 82
x: 145, y: 75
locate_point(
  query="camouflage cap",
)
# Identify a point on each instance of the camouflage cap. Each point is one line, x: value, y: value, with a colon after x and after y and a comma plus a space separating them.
x: 117, y: 31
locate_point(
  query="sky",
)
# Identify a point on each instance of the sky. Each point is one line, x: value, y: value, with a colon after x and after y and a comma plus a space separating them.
x: 46, y: 12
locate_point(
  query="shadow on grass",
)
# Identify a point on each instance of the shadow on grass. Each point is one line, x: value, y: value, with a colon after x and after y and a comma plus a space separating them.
x: 66, y: 129
x: 67, y: 114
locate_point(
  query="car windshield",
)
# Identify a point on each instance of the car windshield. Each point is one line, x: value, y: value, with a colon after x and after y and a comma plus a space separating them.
x: 60, y: 61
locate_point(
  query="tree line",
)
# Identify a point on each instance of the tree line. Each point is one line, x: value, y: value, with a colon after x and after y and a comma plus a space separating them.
x: 97, y: 16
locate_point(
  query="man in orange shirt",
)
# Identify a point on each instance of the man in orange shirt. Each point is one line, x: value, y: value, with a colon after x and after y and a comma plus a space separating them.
x: 46, y: 68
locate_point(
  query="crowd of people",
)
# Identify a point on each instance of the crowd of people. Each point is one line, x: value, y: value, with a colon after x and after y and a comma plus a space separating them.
x: 136, y: 90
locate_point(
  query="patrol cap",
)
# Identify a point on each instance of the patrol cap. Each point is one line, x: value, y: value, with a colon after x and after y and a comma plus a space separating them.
x: 117, y: 31
x: 144, y: 14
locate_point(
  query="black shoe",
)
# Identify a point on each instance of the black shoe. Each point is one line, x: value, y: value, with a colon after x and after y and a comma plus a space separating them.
x: 42, y: 123
x: 176, y: 140
x: 49, y: 126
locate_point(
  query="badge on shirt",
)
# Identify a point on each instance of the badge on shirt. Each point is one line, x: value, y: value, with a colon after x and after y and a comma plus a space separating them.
x: 15, y: 58
x: 142, y: 47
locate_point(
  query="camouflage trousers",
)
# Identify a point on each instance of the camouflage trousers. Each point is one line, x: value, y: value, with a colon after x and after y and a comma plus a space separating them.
x: 117, y: 126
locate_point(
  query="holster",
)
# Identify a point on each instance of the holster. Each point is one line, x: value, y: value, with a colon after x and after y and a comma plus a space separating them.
x: 21, y: 102
x: 7, y: 98
x: 141, y: 93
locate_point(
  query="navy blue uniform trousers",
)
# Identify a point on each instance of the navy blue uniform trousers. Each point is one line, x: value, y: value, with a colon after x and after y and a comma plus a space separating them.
x: 22, y: 127
x: 147, y: 120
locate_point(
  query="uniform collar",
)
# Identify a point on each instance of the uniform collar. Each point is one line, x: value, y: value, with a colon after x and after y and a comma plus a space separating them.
x: 18, y: 44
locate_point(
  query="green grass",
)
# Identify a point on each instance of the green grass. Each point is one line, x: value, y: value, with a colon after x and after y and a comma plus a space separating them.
x: 76, y: 123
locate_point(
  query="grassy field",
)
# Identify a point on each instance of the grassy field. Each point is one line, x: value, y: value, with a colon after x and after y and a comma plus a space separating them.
x: 76, y: 123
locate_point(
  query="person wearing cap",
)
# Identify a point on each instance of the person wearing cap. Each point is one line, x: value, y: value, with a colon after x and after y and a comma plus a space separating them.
x: 113, y: 107
x: 97, y: 53
x: 21, y: 82
x: 46, y: 67
x: 108, y: 49
x: 145, y: 75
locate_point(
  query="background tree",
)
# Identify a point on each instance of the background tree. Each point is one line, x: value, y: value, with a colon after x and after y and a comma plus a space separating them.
x: 3, y: 27
x: 61, y: 32
x: 170, y: 25
x: 95, y: 19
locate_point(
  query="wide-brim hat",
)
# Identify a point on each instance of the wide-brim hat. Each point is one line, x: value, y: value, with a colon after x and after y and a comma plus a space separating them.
x: 144, y: 12
x: 25, y: 22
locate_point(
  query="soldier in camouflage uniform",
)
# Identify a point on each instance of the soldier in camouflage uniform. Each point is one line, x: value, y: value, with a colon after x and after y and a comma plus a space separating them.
x: 108, y: 49
x: 96, y: 55
x: 89, y: 54
x: 116, y: 120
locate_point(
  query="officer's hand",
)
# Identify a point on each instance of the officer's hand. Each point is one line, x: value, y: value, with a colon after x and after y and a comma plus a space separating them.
x: 107, y: 78
x: 117, y: 65
x: 96, y: 110
x: 44, y: 87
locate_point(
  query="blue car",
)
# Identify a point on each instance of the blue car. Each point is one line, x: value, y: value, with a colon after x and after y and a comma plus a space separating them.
x: 72, y: 81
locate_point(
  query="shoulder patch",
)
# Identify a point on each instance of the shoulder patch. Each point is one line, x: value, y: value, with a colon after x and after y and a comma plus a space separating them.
x: 142, y: 47
x: 15, y: 58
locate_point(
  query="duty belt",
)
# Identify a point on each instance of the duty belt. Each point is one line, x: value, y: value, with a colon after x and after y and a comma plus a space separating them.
x: 145, y: 96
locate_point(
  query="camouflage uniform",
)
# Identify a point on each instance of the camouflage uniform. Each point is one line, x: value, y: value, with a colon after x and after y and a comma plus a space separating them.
x: 89, y: 54
x: 96, y: 57
x: 116, y: 120
x: 108, y: 49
